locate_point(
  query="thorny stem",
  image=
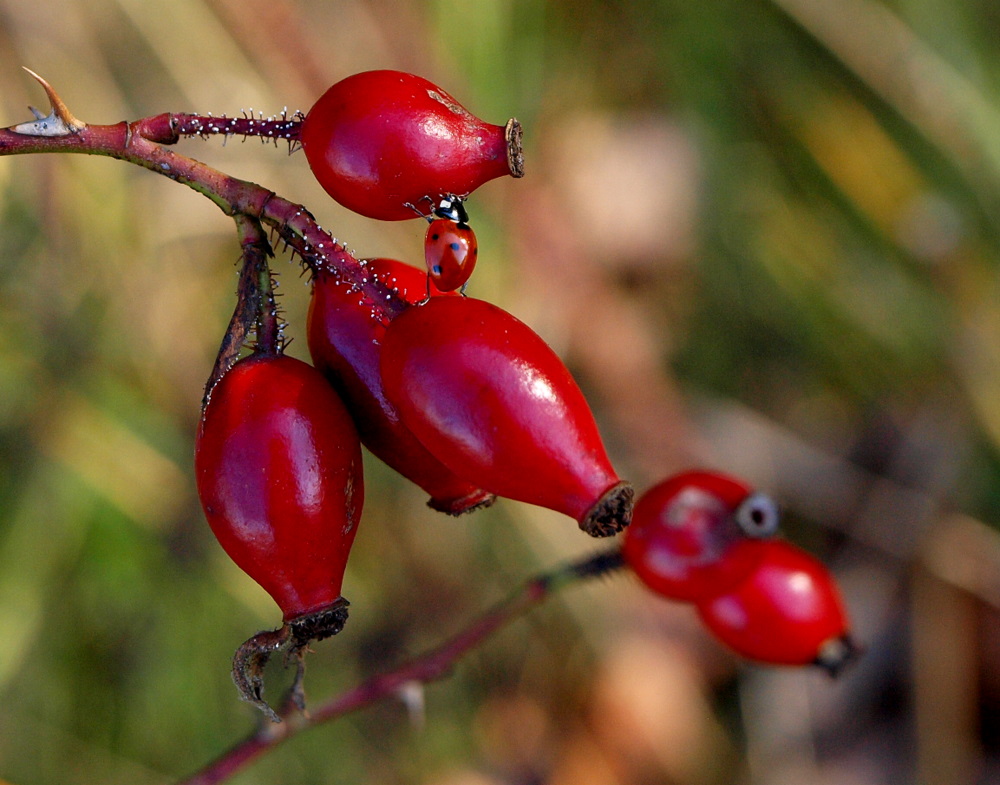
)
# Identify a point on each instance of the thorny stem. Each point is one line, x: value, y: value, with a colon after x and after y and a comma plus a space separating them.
x: 269, y: 327
x: 254, y: 303
x: 431, y: 666
x: 274, y: 128
x: 140, y: 143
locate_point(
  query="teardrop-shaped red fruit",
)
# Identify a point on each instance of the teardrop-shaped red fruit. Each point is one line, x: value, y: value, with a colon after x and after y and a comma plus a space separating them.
x: 345, y: 342
x: 787, y: 611
x: 279, y: 475
x: 489, y: 399
x: 379, y: 140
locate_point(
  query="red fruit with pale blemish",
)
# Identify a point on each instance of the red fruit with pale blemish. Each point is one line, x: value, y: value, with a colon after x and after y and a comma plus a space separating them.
x: 681, y: 541
x: 379, y: 140
x: 705, y: 537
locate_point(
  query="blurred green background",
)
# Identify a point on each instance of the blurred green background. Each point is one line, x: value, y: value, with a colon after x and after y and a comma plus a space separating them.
x: 764, y: 235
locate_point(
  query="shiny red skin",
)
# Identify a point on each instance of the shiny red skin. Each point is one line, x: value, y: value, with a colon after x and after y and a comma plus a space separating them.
x: 492, y: 401
x: 278, y: 467
x: 450, y: 250
x: 784, y: 612
x: 345, y: 344
x: 682, y: 536
x: 380, y: 139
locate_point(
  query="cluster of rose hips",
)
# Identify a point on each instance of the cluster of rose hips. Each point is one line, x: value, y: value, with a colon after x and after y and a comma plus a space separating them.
x: 466, y: 401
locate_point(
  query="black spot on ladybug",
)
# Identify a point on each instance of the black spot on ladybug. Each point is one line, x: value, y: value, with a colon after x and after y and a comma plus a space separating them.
x: 435, y: 236
x: 436, y: 269
x: 454, y: 246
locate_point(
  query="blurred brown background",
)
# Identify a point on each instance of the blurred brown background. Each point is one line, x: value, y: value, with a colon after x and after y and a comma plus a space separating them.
x: 762, y: 233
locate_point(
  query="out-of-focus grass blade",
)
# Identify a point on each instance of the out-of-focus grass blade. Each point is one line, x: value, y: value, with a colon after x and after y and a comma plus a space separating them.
x: 884, y: 53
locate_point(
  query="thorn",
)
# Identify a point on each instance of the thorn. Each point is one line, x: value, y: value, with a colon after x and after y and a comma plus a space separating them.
x: 60, y: 122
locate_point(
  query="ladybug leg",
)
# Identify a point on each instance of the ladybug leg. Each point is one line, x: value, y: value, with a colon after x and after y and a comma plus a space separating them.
x: 427, y: 299
x: 462, y: 290
x: 428, y: 217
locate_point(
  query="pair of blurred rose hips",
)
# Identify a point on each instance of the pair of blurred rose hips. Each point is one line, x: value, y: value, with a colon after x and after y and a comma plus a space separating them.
x: 707, y: 538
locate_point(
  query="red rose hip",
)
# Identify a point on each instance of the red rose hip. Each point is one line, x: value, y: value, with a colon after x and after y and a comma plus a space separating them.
x: 787, y: 611
x: 379, y: 140
x: 345, y: 344
x: 682, y: 539
x: 490, y: 400
x: 278, y: 467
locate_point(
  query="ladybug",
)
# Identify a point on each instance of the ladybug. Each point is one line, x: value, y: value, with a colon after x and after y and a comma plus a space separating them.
x: 450, y: 247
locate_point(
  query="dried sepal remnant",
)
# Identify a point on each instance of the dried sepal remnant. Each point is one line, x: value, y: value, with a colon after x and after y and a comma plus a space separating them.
x: 59, y: 122
x: 293, y: 639
x: 515, y: 149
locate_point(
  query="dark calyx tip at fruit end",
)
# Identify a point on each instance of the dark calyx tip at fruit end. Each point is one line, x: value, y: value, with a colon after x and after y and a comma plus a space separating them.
x: 515, y: 152
x: 478, y: 500
x: 611, y: 513
x: 837, y: 654
x: 315, y: 626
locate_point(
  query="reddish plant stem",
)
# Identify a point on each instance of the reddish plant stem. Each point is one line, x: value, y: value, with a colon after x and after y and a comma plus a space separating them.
x: 295, y: 225
x: 269, y: 324
x: 275, y: 128
x: 255, y: 305
x: 168, y: 128
x: 434, y: 665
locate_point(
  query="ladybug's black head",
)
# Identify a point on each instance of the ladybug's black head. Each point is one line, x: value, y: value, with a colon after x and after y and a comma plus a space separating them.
x: 452, y: 208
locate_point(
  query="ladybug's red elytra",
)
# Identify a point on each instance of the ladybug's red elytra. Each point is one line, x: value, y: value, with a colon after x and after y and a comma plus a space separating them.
x: 450, y: 246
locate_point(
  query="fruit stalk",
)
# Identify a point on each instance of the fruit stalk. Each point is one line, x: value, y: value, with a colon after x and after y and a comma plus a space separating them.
x: 254, y: 303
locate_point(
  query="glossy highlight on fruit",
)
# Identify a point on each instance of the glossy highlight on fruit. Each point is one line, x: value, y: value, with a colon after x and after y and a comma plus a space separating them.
x: 278, y: 467
x: 379, y: 140
x: 345, y: 344
x: 488, y: 398
x: 683, y: 532
x: 786, y: 612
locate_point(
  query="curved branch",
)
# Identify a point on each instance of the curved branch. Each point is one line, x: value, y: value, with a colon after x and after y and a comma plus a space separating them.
x: 431, y: 666
x: 297, y: 227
